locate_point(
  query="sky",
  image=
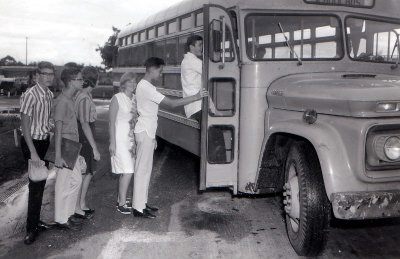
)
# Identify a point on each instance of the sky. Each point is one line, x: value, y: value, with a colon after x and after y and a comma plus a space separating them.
x: 62, y: 31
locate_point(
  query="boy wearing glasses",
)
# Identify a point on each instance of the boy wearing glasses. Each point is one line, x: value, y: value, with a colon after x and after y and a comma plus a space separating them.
x: 68, y: 182
x: 36, y: 104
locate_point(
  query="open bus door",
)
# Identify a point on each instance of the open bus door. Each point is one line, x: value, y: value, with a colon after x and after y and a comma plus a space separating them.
x: 221, y: 77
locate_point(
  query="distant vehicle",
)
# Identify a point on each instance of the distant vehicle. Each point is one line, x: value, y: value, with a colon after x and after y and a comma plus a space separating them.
x: 308, y: 94
x: 6, y: 84
x: 15, y: 79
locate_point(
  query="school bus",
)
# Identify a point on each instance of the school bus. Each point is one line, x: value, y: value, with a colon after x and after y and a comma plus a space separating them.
x: 308, y: 101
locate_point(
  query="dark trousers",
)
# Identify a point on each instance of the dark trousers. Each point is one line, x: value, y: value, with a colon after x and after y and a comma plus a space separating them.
x: 36, y: 189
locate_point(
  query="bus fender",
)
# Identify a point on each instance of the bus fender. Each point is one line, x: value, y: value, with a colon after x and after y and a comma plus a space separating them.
x: 326, y: 141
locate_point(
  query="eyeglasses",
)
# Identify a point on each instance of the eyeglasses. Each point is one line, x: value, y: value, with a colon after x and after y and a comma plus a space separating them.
x: 77, y: 79
x: 46, y: 74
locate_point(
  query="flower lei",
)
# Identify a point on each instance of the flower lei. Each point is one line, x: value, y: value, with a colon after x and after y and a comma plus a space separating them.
x: 132, y: 124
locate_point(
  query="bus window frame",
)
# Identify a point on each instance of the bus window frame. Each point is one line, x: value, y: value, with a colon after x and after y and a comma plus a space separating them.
x: 210, y: 81
x: 232, y: 41
x: 371, y: 19
x: 340, y: 26
x: 350, y: 6
x: 230, y: 127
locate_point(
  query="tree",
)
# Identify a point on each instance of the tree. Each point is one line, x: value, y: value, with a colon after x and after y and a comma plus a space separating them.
x: 10, y: 61
x: 108, y: 51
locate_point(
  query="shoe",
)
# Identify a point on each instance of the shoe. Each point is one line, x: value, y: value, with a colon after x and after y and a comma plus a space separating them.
x: 124, y: 209
x: 42, y: 226
x: 75, y: 220
x: 90, y: 211
x: 30, y: 237
x: 85, y: 216
x: 144, y: 214
x: 68, y: 226
x: 151, y: 208
x: 128, y: 205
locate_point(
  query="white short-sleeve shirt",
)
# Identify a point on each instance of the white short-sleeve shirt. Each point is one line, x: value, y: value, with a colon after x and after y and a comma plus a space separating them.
x: 148, y: 100
x: 191, y: 70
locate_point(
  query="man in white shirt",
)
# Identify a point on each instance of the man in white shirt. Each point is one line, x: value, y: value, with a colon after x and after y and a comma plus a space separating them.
x: 191, y: 75
x: 148, y: 101
x: 191, y: 78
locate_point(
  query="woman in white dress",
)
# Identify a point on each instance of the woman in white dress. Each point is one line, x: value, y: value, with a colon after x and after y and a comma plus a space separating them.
x: 122, y: 109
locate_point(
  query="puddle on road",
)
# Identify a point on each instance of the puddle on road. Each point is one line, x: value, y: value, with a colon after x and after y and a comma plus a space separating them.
x: 217, y: 215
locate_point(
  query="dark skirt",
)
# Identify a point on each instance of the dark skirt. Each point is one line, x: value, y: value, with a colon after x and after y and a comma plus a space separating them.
x: 87, y: 150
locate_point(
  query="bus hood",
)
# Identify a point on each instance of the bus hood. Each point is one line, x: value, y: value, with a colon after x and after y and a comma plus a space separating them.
x: 345, y: 94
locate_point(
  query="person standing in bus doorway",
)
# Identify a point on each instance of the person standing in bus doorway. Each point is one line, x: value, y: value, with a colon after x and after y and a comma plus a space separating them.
x: 36, y: 105
x: 191, y: 78
x: 148, y: 101
x: 68, y: 182
x: 191, y: 75
x: 86, y: 114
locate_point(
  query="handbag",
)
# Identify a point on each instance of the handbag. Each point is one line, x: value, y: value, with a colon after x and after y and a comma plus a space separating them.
x: 37, y: 173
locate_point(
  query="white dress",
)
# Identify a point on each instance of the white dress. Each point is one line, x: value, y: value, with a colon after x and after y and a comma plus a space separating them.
x: 123, y: 162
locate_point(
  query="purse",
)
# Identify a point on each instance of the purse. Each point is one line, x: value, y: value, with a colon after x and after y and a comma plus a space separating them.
x: 37, y: 173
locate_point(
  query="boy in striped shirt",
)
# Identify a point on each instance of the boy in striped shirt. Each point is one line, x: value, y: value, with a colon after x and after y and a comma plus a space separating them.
x: 36, y: 105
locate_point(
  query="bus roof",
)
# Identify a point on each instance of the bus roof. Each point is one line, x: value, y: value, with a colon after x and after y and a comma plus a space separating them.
x: 387, y: 8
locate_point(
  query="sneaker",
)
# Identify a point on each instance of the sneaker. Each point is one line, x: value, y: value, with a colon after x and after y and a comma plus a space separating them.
x: 124, y: 209
x: 128, y: 204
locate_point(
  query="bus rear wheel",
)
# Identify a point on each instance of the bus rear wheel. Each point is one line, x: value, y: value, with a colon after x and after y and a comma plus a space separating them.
x: 305, y: 202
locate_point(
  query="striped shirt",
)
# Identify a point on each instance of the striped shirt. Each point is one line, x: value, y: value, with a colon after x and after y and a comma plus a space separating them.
x: 37, y: 103
x: 85, y: 108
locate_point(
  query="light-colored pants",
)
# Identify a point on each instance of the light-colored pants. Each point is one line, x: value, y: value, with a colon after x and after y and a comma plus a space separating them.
x: 143, y: 166
x: 68, y: 184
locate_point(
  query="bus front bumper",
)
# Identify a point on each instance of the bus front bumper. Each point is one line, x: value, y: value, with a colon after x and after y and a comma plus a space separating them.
x: 366, y: 205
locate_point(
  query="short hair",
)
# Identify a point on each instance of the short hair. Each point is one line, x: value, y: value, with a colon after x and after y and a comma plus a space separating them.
x: 127, y: 76
x: 43, y: 65
x: 69, y: 73
x: 73, y: 64
x: 191, y: 41
x: 90, y: 76
x: 154, y: 62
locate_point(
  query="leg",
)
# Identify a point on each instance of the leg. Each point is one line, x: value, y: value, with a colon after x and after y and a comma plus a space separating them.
x: 36, y: 189
x: 85, y: 186
x: 143, y: 167
x: 197, y: 116
x: 75, y: 189
x: 61, y: 195
x: 34, y: 204
x: 124, y: 180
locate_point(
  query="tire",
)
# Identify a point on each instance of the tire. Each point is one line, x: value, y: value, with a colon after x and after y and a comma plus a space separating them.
x: 307, y: 217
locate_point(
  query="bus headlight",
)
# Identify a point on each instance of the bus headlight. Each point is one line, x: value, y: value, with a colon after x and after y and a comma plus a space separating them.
x: 387, y: 148
x: 392, y: 148
x: 382, y: 147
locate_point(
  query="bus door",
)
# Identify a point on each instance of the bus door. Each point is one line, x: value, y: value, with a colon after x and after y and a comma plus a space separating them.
x: 220, y: 124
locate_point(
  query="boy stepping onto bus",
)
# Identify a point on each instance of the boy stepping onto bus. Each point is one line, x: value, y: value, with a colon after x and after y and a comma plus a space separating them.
x: 148, y: 101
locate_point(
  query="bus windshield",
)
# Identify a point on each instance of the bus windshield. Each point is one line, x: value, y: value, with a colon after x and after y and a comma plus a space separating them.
x: 311, y: 37
x: 371, y: 40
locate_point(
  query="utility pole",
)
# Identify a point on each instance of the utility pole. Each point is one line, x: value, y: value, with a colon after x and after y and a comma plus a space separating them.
x: 26, y: 51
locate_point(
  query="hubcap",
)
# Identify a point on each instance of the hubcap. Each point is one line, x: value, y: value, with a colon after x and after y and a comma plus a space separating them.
x: 291, y: 198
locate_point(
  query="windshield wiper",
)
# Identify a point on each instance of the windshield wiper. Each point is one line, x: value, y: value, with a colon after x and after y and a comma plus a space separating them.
x: 299, y: 63
x: 397, y: 45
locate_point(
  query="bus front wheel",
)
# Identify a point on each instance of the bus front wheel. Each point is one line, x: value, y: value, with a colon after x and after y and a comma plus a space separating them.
x: 305, y: 202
